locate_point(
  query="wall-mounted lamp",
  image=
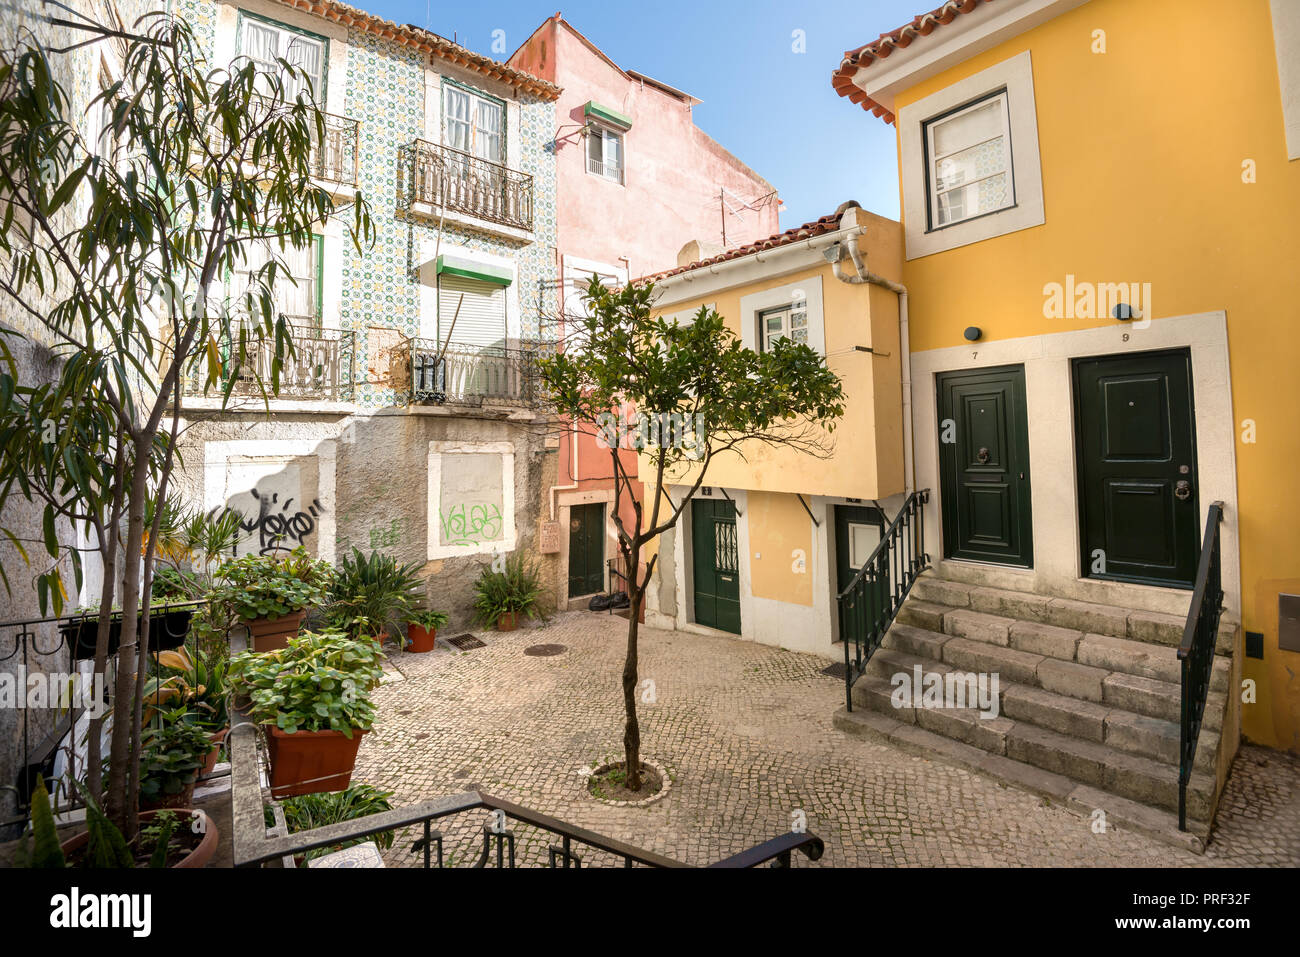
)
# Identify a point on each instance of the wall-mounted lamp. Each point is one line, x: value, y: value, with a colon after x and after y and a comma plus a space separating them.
x: 973, y: 333
x: 832, y: 253
x: 1123, y: 312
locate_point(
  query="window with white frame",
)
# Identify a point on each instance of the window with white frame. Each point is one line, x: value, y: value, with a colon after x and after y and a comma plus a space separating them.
x: 473, y: 124
x: 605, y: 153
x: 266, y: 43
x: 968, y: 162
x: 789, y: 321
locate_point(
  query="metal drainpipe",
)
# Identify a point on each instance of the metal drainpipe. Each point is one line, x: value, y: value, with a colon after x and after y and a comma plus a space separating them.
x: 866, y: 276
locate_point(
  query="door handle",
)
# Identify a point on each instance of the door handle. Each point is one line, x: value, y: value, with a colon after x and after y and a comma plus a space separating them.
x: 983, y: 456
x: 1182, y: 490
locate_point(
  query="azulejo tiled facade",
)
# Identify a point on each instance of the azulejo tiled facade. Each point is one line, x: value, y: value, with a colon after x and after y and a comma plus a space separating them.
x: 385, y: 90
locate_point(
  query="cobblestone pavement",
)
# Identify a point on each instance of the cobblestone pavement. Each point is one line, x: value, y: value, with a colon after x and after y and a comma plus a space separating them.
x: 745, y: 732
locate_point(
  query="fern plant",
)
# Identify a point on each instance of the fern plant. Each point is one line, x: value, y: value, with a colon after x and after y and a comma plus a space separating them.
x: 373, y: 594
x: 516, y: 589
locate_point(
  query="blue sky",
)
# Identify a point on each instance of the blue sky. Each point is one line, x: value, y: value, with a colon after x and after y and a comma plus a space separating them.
x: 772, y: 107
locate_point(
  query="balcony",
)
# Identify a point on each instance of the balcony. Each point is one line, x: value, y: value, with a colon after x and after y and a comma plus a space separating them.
x: 610, y: 171
x: 474, y: 375
x: 460, y: 183
x: 322, y: 368
x: 335, y: 159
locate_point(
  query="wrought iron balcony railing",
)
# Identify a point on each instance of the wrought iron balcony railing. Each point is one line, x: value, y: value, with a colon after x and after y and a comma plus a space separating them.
x: 323, y: 366
x: 336, y: 158
x: 474, y: 375
x: 457, y: 181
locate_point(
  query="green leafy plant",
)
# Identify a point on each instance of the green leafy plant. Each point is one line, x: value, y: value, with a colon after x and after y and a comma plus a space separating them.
x: 372, y: 594
x: 428, y: 619
x: 319, y: 682
x: 308, y: 811
x: 158, y: 833
x: 172, y: 754
x: 40, y: 847
x: 517, y: 589
x: 194, y: 678
x: 270, y: 586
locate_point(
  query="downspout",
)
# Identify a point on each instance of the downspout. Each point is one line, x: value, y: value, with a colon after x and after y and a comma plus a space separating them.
x: 573, y: 433
x: 863, y: 275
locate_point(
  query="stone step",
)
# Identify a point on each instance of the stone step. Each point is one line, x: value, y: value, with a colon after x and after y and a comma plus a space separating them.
x: 1125, y: 655
x: 1098, y: 764
x: 1085, y: 799
x: 1145, y: 696
x: 1142, y: 735
x: 1069, y: 613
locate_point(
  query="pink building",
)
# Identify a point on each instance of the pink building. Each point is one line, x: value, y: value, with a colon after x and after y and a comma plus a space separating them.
x: 636, y: 181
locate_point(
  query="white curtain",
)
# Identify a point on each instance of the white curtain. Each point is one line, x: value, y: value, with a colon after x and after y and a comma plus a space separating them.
x: 487, y: 139
x: 457, y: 118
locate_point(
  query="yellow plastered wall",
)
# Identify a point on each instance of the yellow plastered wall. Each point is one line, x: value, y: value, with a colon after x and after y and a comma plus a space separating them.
x: 779, y: 534
x: 868, y: 445
x: 1142, y: 151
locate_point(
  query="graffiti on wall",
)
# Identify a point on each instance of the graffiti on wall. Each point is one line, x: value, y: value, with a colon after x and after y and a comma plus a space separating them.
x: 276, y: 512
x: 466, y: 524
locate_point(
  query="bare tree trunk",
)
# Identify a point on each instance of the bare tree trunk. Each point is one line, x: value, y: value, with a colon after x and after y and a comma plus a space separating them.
x: 108, y: 550
x: 632, y: 730
x: 122, y: 804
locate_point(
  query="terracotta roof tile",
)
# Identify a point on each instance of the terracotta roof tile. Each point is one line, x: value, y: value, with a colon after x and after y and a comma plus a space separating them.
x: 887, y: 43
x: 427, y: 42
x: 824, y: 224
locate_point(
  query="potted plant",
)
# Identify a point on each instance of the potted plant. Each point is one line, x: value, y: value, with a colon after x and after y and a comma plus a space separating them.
x: 422, y: 630
x: 314, y: 696
x: 500, y: 597
x: 271, y: 594
x: 195, y: 679
x: 371, y: 595
x: 309, y: 811
x: 172, y: 754
x: 185, y: 838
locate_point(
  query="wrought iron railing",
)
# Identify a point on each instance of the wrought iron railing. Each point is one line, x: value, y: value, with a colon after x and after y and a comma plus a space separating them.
x: 463, y: 374
x: 458, y: 181
x: 869, y: 604
x: 58, y: 652
x: 1196, y: 651
x: 323, y: 366
x: 335, y: 158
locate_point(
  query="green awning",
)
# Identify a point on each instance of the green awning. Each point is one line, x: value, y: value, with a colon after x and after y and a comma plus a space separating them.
x: 455, y: 266
x: 606, y: 115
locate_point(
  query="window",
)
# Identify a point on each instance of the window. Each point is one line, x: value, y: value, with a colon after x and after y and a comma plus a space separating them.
x: 296, y: 296
x: 605, y: 153
x: 784, y: 322
x: 267, y: 43
x: 969, y: 162
x: 473, y: 124
x: 970, y: 167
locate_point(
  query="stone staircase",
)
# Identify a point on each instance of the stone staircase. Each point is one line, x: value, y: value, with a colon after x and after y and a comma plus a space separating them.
x: 1089, y: 700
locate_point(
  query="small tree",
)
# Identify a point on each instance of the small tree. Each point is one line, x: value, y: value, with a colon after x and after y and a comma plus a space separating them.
x: 698, y: 394
x: 115, y: 241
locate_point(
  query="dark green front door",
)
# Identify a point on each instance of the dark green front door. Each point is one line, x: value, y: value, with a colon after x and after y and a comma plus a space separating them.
x: 586, y: 549
x: 1136, y: 447
x: 984, y: 466
x: 858, y: 529
x: 716, y: 564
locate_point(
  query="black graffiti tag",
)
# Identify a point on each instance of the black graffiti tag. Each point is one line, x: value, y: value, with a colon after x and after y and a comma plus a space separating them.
x: 275, y: 524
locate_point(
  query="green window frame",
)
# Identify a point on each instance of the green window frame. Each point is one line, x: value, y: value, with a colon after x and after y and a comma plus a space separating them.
x: 244, y: 15
x: 318, y: 280
x: 472, y: 92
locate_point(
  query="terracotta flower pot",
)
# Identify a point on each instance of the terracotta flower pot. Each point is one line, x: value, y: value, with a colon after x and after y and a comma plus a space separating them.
x: 419, y: 638
x: 198, y: 857
x: 217, y: 737
x: 309, y: 762
x: 272, y: 634
x: 508, y: 622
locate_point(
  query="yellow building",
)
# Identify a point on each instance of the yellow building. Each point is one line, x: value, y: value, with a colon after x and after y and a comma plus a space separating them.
x: 1100, y: 248
x: 764, y: 549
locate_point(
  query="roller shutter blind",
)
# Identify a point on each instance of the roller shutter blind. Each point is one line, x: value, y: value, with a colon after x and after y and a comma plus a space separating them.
x: 482, y: 319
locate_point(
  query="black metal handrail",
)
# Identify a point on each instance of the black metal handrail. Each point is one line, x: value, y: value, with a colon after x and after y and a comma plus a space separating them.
x: 1196, y: 651
x: 779, y: 851
x: 869, y: 604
